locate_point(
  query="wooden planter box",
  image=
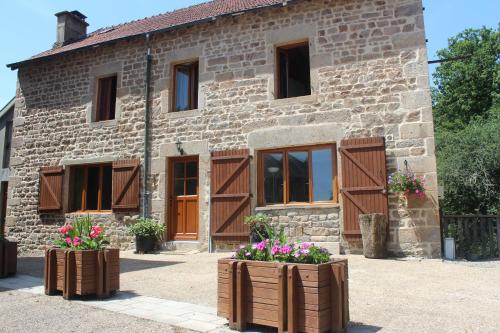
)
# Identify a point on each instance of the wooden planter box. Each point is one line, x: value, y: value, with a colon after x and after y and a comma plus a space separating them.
x: 8, y: 258
x: 82, y: 273
x: 290, y: 297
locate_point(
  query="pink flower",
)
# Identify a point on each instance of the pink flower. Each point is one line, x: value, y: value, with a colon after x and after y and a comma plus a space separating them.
x: 261, y: 246
x: 248, y: 254
x: 305, y: 245
x: 65, y: 229
x: 254, y: 246
x: 242, y: 246
x: 268, y: 241
x: 304, y: 252
x: 286, y: 249
x: 68, y: 240
x: 274, y: 250
x: 77, y: 241
x: 95, y: 231
x: 296, y: 255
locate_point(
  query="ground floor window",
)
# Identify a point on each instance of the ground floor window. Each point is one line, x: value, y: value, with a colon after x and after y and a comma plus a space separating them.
x: 298, y: 175
x: 91, y: 187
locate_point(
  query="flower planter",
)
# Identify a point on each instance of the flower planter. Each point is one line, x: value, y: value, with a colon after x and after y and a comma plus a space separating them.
x: 82, y: 272
x: 374, y: 235
x: 449, y: 248
x: 145, y: 244
x: 290, y: 297
x: 8, y: 258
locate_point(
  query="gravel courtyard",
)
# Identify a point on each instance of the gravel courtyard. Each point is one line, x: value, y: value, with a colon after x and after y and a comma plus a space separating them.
x: 385, y: 295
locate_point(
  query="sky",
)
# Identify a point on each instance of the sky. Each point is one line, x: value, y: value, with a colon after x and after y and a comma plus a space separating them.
x: 28, y: 27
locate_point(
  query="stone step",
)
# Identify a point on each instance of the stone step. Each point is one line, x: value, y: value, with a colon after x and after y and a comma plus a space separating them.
x: 183, y: 246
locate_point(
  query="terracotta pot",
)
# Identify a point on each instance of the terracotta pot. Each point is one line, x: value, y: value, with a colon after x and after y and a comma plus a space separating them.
x: 82, y: 272
x: 290, y: 297
x: 8, y: 258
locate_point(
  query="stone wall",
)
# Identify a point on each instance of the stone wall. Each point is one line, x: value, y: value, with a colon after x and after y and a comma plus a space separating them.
x: 368, y: 78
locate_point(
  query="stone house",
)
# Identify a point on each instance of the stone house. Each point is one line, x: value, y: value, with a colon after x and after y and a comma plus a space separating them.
x: 198, y: 117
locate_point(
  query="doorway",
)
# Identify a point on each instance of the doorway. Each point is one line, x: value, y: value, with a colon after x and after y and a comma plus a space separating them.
x: 183, y: 199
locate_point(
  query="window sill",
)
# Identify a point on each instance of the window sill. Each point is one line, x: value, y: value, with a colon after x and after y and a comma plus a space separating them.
x: 183, y: 114
x: 298, y: 206
x: 92, y: 212
x: 313, y: 98
x: 103, y: 123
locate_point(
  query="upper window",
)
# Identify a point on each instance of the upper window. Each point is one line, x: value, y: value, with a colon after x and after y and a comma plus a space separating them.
x: 7, y: 144
x: 106, y: 98
x: 185, y: 94
x: 293, y: 71
x: 298, y: 175
x: 91, y: 187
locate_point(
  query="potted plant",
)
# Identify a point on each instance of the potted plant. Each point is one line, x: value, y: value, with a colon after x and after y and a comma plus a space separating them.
x: 374, y: 235
x: 449, y: 242
x: 80, y: 263
x: 8, y: 256
x: 147, y: 232
x: 408, y: 186
x: 291, y: 286
x: 258, y: 224
x: 475, y: 252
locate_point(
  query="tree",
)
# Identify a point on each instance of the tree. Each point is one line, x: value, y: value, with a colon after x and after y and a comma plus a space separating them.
x: 469, y: 167
x: 467, y: 88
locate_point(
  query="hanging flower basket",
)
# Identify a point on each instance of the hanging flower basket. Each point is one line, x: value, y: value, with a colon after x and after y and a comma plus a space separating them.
x: 409, y: 187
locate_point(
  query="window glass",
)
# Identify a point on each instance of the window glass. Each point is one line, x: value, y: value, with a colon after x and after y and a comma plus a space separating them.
x: 192, y: 169
x: 322, y: 174
x: 106, y: 187
x: 273, y: 178
x: 92, y: 188
x: 298, y: 171
x: 191, y: 186
x: 76, y: 187
x: 178, y: 170
x: 179, y: 186
x: 182, y: 88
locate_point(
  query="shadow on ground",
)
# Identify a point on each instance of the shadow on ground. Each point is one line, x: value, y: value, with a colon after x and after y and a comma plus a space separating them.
x: 34, y: 266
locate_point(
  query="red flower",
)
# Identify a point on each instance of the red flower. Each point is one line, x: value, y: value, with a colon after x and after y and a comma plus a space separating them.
x: 65, y: 229
x: 95, y: 231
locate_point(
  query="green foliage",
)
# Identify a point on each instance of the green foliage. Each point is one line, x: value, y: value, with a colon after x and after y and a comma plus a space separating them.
x: 81, y: 235
x: 147, y: 227
x: 466, y: 89
x: 452, y: 231
x: 304, y: 253
x: 469, y: 168
x: 257, y: 224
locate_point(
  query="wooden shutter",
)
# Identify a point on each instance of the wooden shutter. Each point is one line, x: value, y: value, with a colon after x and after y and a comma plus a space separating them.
x: 230, y: 194
x: 50, y: 189
x: 364, y: 181
x: 126, y: 185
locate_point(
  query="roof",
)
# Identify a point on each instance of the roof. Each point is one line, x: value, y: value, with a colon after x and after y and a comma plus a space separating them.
x: 7, y: 108
x: 177, y: 19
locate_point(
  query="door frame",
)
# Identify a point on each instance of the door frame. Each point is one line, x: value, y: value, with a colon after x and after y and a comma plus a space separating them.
x: 170, y: 195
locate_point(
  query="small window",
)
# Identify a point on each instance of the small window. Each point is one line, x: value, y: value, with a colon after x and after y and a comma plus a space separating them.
x: 91, y: 188
x: 7, y: 144
x: 293, y: 71
x: 297, y: 175
x: 106, y: 98
x: 185, y: 92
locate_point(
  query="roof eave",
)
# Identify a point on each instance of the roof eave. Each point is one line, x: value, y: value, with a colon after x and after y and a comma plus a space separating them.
x: 16, y: 65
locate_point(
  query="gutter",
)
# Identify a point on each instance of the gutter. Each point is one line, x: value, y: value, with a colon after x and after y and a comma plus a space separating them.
x: 147, y: 83
x: 16, y: 65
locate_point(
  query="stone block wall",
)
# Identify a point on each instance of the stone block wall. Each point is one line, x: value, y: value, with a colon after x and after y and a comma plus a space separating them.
x: 368, y: 78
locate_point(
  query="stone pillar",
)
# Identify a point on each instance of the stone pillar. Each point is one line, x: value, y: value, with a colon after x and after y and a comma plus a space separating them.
x: 374, y: 234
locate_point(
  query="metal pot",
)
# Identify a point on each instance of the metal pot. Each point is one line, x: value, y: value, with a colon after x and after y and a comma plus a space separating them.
x: 144, y: 244
x: 449, y: 248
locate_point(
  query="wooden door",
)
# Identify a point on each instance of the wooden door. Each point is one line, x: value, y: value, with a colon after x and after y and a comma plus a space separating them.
x: 183, y: 180
x: 230, y: 195
x: 364, y: 181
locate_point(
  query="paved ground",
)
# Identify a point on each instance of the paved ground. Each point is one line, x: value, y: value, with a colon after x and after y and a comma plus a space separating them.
x: 385, y: 295
x: 25, y: 312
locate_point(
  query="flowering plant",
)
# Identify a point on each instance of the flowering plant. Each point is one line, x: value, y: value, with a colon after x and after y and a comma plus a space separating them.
x: 81, y: 235
x: 406, y: 183
x: 304, y: 253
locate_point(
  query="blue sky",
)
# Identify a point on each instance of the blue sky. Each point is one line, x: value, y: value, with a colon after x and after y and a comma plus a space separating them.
x: 29, y: 26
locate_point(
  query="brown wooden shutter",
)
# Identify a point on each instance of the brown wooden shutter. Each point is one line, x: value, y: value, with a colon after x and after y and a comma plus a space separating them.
x: 126, y: 185
x: 230, y: 194
x: 364, y: 181
x: 50, y: 189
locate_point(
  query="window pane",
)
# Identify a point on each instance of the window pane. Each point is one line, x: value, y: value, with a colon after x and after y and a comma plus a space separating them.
x: 178, y: 170
x: 77, y: 175
x: 294, y: 76
x: 92, y: 188
x: 182, y: 88
x: 298, y: 170
x: 179, y: 187
x: 273, y: 178
x: 191, y: 169
x: 106, y: 188
x: 191, y: 186
x: 106, y: 103
x: 322, y: 175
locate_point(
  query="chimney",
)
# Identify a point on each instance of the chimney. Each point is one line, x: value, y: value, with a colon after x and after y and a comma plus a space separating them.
x: 71, y: 26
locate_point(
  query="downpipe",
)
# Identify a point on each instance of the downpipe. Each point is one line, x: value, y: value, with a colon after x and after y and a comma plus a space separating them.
x: 145, y: 194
